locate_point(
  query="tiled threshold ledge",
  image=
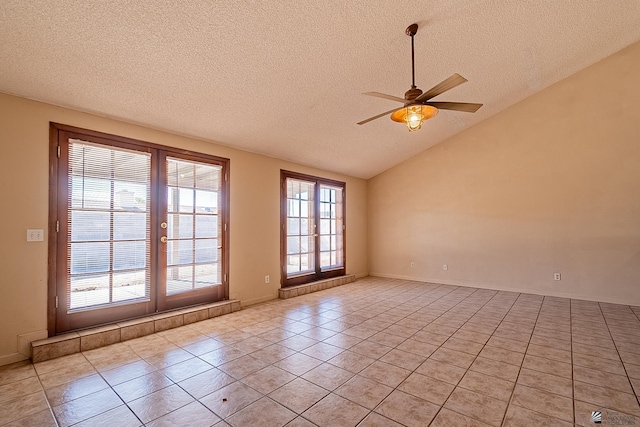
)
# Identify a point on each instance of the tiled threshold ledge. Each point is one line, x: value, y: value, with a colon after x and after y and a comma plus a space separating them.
x: 294, y: 291
x: 75, y: 342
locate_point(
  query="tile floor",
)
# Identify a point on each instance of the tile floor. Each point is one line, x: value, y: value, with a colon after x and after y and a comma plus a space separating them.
x: 377, y: 352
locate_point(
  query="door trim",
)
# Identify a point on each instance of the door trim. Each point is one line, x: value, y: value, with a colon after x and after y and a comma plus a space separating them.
x: 56, y: 133
x: 318, y: 274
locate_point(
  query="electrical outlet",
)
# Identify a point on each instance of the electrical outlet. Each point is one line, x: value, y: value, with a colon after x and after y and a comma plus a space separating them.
x: 557, y: 276
x: 35, y: 235
x: 413, y: 264
x: 445, y: 267
x: 267, y: 279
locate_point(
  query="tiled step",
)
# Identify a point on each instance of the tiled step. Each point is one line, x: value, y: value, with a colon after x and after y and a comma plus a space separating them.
x: 89, y: 339
x: 294, y: 291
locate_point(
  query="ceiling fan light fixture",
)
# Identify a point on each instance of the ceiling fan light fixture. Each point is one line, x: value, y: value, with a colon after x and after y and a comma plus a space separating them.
x: 413, y: 115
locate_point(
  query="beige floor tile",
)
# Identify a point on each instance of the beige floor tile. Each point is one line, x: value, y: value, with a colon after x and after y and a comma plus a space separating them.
x: 319, y: 333
x: 549, y: 353
x: 193, y: 414
x: 376, y: 420
x: 67, y: 373
x: 298, y: 363
x: 554, y: 405
x: 522, y: 417
x: 272, y: 353
x: 43, y: 418
x: 268, y: 379
x: 403, y: 359
x: 298, y: 422
x: 298, y: 395
x: 351, y: 361
x: 502, y: 355
x: 230, y: 399
x: 427, y: 388
x: 464, y: 346
x: 328, y: 376
x: 142, y: 386
x: 472, y: 336
x: 334, y: 410
x: 602, y: 379
x: 448, y: 418
x: 127, y: 372
x: 221, y: 356
x: 495, y: 368
x: 63, y: 393
x: 86, y: 407
x: 371, y: 349
x: 183, y: 370
x: 59, y: 363
x: 633, y: 371
x: 430, y: 337
x: 478, y: 406
x: 420, y: 348
x: 16, y: 372
x: 407, y: 409
x: 242, y: 366
x: 20, y: 388
x: 441, y: 371
x: 322, y: 351
x: 363, y: 391
x: 298, y: 342
x: 550, y: 342
x: 546, y: 382
x: 167, y: 358
x: 120, y: 416
x: 385, y: 373
x: 343, y: 340
x: 484, y: 384
x: 203, y: 346
x: 251, y: 344
x: 552, y: 367
x: 254, y: 415
x: 607, y: 398
x: 457, y: 358
x: 22, y: 407
x: 276, y: 335
x: 597, y: 363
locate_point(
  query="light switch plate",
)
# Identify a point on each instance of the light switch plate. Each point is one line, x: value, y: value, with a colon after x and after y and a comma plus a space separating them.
x: 35, y: 235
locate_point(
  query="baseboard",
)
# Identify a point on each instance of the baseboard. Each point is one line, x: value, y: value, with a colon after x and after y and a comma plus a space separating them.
x: 8, y: 359
x: 246, y: 303
x: 569, y: 295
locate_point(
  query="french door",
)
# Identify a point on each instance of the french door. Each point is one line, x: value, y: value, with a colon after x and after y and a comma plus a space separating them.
x: 313, y: 227
x: 136, y: 228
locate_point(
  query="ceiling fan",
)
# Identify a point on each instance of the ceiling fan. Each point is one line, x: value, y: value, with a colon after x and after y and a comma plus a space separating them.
x: 417, y: 106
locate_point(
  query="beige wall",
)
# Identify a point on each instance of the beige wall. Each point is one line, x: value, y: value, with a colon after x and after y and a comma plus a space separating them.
x: 255, y: 210
x: 551, y: 184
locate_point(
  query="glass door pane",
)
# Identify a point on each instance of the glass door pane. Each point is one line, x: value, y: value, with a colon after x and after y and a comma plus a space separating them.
x: 192, y: 226
x: 331, y: 227
x: 300, y: 227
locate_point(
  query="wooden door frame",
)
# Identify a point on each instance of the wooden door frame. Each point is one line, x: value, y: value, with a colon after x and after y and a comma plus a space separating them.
x: 58, y: 131
x: 318, y: 274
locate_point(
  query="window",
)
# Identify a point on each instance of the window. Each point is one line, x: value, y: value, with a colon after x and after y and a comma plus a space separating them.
x: 312, y: 228
x: 136, y: 228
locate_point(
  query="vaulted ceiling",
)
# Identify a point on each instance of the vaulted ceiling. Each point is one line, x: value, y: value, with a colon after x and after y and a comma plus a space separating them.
x: 285, y: 78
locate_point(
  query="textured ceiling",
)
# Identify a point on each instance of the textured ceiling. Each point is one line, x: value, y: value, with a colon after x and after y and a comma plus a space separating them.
x: 284, y: 78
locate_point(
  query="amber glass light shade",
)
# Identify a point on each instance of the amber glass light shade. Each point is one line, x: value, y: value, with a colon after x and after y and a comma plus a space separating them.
x: 413, y: 115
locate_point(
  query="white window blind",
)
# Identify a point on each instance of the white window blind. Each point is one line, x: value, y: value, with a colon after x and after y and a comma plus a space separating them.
x: 108, y: 238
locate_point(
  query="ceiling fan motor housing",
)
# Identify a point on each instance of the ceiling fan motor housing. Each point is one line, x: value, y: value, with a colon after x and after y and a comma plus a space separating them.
x: 412, y: 93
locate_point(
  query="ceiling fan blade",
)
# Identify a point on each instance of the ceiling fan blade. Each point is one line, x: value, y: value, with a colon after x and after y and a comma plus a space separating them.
x: 467, y: 107
x: 443, y: 86
x: 377, y: 117
x: 385, y: 96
